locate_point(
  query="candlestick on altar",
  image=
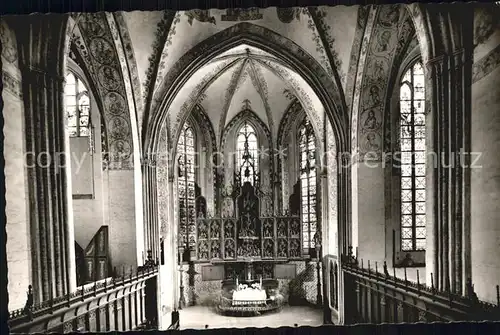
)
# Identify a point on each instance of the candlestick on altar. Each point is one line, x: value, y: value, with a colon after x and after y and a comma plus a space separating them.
x: 236, y: 281
x: 261, y: 281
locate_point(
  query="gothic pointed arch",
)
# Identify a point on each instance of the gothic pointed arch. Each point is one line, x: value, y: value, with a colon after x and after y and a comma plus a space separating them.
x: 203, y: 121
x: 285, y: 157
x: 75, y: 66
x: 237, y: 121
x: 293, y: 111
x: 389, y: 36
x: 94, y: 48
x: 298, y: 146
x: 129, y: 53
x: 263, y: 170
x: 207, y: 153
x: 262, y: 38
x: 202, y: 127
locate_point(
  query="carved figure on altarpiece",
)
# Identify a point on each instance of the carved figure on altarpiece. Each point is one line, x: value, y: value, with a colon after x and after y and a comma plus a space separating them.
x: 229, y: 249
x: 203, y: 250
x: 229, y: 229
x: 215, y: 229
x: 248, y: 202
x: 282, y: 248
x: 268, y: 248
x: 215, y: 251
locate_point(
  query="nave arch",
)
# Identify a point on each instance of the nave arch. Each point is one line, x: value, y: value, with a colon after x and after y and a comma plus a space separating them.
x: 161, y: 136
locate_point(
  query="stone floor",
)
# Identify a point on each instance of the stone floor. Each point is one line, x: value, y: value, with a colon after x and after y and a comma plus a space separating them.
x: 197, y: 317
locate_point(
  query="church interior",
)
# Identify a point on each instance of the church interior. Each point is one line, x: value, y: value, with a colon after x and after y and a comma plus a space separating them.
x: 217, y: 168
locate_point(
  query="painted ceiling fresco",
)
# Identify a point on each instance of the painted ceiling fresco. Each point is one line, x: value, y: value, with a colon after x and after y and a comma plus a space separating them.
x: 97, y: 47
x: 390, y: 34
x: 138, y: 59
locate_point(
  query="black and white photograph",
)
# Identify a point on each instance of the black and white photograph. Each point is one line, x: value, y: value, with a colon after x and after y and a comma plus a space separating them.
x: 262, y: 166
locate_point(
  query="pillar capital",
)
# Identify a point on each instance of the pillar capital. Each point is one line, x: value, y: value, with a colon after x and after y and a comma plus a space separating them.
x: 41, y: 40
x: 31, y: 71
x: 435, y: 65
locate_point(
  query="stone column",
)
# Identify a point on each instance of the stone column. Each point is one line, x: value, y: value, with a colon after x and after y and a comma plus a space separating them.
x: 344, y: 236
x: 437, y: 173
x: 147, y: 194
x: 444, y: 163
x: 152, y: 213
x: 325, y: 246
x: 41, y: 44
x: 156, y: 222
x: 161, y: 192
x: 432, y: 176
x: 449, y: 76
x: 172, y: 243
x: 451, y: 167
x: 343, y: 204
x: 325, y: 224
x: 461, y: 65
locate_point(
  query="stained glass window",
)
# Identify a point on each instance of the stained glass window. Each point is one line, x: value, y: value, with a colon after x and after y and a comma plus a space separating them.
x: 77, y: 106
x: 413, y: 152
x: 307, y: 147
x: 185, y: 185
x: 247, y: 148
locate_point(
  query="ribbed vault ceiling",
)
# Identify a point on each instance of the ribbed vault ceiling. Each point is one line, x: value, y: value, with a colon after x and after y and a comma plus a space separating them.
x: 242, y: 77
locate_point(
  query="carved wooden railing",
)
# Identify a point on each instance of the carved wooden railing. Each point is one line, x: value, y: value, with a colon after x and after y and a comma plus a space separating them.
x: 112, y: 304
x: 375, y: 296
x: 280, y: 238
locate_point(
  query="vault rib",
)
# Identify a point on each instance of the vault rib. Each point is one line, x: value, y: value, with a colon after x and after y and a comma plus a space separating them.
x: 260, y: 87
x: 233, y: 84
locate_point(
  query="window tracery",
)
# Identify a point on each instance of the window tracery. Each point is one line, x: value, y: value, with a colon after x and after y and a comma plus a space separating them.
x: 186, y: 185
x: 77, y: 106
x: 413, y: 158
x: 247, y: 154
x: 308, y: 174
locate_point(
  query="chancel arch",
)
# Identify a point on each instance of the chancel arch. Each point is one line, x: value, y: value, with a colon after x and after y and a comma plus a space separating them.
x: 253, y: 35
x: 232, y: 67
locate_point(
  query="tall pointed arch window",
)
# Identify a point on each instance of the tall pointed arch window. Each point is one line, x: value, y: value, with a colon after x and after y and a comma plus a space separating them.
x: 77, y: 106
x: 247, y: 148
x: 186, y: 185
x: 308, y: 173
x: 413, y: 155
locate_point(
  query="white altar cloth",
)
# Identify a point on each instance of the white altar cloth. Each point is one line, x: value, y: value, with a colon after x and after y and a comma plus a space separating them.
x: 249, y: 296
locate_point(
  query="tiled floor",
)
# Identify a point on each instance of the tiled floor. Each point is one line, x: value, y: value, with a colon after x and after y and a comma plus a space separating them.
x: 197, y: 317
